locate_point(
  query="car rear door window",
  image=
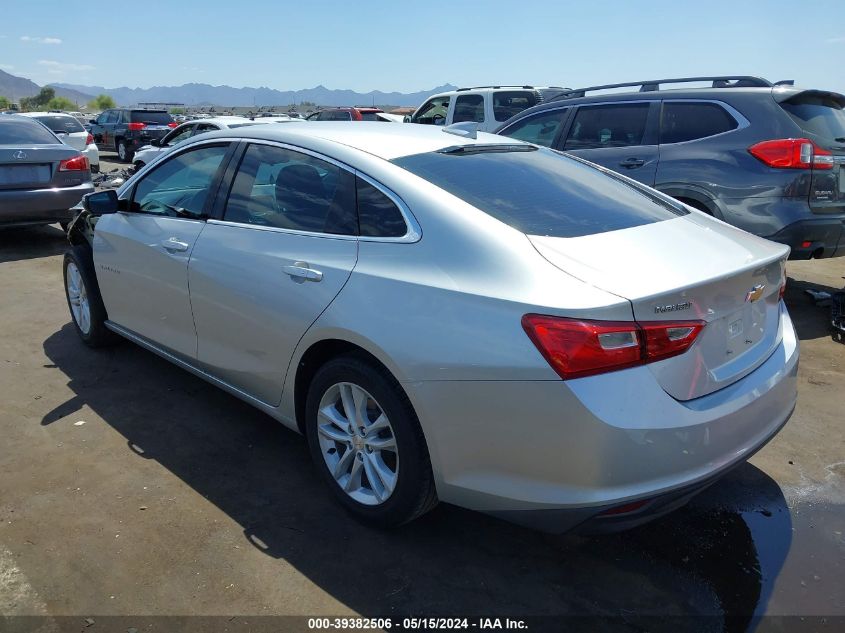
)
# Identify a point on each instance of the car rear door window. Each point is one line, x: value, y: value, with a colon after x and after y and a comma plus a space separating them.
x: 469, y: 108
x: 541, y: 128
x: 687, y: 121
x: 179, y: 186
x: 510, y: 103
x: 540, y: 191
x: 612, y: 125
x: 378, y: 215
x: 282, y: 188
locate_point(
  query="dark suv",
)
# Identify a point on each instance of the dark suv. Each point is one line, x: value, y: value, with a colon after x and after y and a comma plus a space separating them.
x: 768, y: 158
x: 127, y: 129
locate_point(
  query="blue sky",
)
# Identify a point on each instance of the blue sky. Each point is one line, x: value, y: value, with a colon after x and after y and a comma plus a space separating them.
x: 410, y: 46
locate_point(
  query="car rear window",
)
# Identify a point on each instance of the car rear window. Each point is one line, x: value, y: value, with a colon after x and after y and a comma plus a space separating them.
x: 64, y: 124
x: 21, y: 131
x: 818, y: 114
x: 509, y: 103
x: 541, y: 192
x: 154, y: 117
x: 369, y: 116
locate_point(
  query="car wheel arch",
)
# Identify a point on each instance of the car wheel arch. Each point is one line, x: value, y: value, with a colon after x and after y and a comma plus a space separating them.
x: 318, y: 354
x: 698, y: 199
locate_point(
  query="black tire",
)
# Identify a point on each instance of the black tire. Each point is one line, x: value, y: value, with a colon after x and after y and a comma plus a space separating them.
x: 414, y: 493
x: 123, y: 152
x: 98, y: 335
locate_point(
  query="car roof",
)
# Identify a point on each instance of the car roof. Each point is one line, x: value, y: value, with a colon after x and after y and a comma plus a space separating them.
x: 384, y: 141
x: 46, y: 114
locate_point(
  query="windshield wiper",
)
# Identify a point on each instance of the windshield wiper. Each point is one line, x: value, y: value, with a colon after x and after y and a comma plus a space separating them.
x: 485, y: 149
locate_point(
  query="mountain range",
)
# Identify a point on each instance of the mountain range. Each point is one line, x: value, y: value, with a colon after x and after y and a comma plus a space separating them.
x: 194, y: 94
x: 15, y: 88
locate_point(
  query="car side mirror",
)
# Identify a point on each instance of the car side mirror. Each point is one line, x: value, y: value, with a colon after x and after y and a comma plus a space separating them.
x: 101, y: 202
x: 155, y: 142
x: 92, y: 121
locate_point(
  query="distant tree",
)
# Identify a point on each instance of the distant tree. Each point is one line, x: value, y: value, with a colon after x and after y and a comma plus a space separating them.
x: 177, y: 110
x: 39, y: 101
x: 5, y: 104
x: 60, y: 103
x: 101, y: 102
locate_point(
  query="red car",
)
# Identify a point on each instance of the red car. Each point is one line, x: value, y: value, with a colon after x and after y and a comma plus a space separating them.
x: 347, y: 114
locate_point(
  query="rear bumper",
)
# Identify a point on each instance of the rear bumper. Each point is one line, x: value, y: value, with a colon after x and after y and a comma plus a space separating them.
x: 554, y: 455
x: 40, y: 206
x: 816, y: 237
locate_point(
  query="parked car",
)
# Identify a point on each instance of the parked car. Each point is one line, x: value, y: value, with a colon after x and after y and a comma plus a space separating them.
x: 346, y: 114
x: 768, y: 158
x: 127, y: 129
x: 479, y: 321
x: 186, y: 130
x: 71, y: 131
x: 41, y: 177
x: 486, y: 106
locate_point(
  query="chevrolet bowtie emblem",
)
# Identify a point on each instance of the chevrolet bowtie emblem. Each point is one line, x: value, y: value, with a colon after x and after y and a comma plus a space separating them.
x: 755, y: 293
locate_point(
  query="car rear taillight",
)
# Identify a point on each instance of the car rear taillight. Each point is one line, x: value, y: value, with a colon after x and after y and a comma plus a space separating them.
x: 136, y: 126
x: 792, y: 153
x: 89, y: 139
x: 78, y: 163
x: 174, y: 124
x: 575, y: 348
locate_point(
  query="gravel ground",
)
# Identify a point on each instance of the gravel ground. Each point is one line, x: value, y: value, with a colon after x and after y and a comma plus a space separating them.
x: 130, y: 488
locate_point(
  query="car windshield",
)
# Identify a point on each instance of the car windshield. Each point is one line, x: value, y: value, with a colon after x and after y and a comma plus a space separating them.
x: 151, y: 117
x: 819, y: 115
x: 539, y: 191
x: 21, y: 131
x: 62, y: 124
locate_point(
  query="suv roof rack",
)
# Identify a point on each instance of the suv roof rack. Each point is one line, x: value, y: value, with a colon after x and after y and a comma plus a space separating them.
x: 652, y: 85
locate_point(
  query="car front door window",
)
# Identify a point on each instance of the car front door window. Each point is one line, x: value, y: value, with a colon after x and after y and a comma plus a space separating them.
x: 179, y: 187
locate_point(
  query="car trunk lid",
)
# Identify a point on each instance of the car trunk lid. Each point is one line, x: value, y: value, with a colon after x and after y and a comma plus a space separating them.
x: 37, y: 167
x: 688, y: 268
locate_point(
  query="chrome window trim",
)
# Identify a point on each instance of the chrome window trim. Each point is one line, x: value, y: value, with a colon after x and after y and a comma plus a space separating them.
x: 742, y: 122
x: 413, y: 231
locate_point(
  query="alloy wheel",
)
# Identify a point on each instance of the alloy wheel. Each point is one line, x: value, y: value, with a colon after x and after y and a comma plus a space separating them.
x: 77, y: 296
x: 357, y: 443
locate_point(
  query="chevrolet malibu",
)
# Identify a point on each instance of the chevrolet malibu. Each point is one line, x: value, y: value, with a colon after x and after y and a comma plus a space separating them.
x: 449, y: 316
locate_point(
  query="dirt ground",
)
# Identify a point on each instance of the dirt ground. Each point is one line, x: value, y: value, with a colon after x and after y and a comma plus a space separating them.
x: 130, y: 488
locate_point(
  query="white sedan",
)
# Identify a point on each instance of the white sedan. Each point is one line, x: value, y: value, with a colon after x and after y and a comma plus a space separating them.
x: 71, y: 132
x: 186, y: 130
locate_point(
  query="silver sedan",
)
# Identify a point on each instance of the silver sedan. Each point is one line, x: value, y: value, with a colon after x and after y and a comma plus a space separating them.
x: 449, y: 316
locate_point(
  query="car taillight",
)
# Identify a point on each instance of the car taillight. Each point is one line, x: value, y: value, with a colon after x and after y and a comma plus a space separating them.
x: 89, y: 139
x: 172, y: 125
x: 136, y: 126
x: 575, y: 348
x: 792, y: 153
x: 78, y: 163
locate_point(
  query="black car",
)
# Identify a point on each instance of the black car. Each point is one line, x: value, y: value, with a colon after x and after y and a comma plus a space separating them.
x: 768, y: 158
x: 127, y: 129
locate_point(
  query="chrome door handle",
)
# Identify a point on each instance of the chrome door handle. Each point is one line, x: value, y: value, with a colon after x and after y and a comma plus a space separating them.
x: 301, y: 271
x: 175, y: 245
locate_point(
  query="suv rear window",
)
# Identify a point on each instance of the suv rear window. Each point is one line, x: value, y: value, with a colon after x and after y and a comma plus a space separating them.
x: 689, y: 121
x: 512, y: 102
x: 154, y: 117
x: 64, y: 124
x: 539, y: 191
x: 21, y: 131
x: 369, y: 116
x: 818, y: 114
